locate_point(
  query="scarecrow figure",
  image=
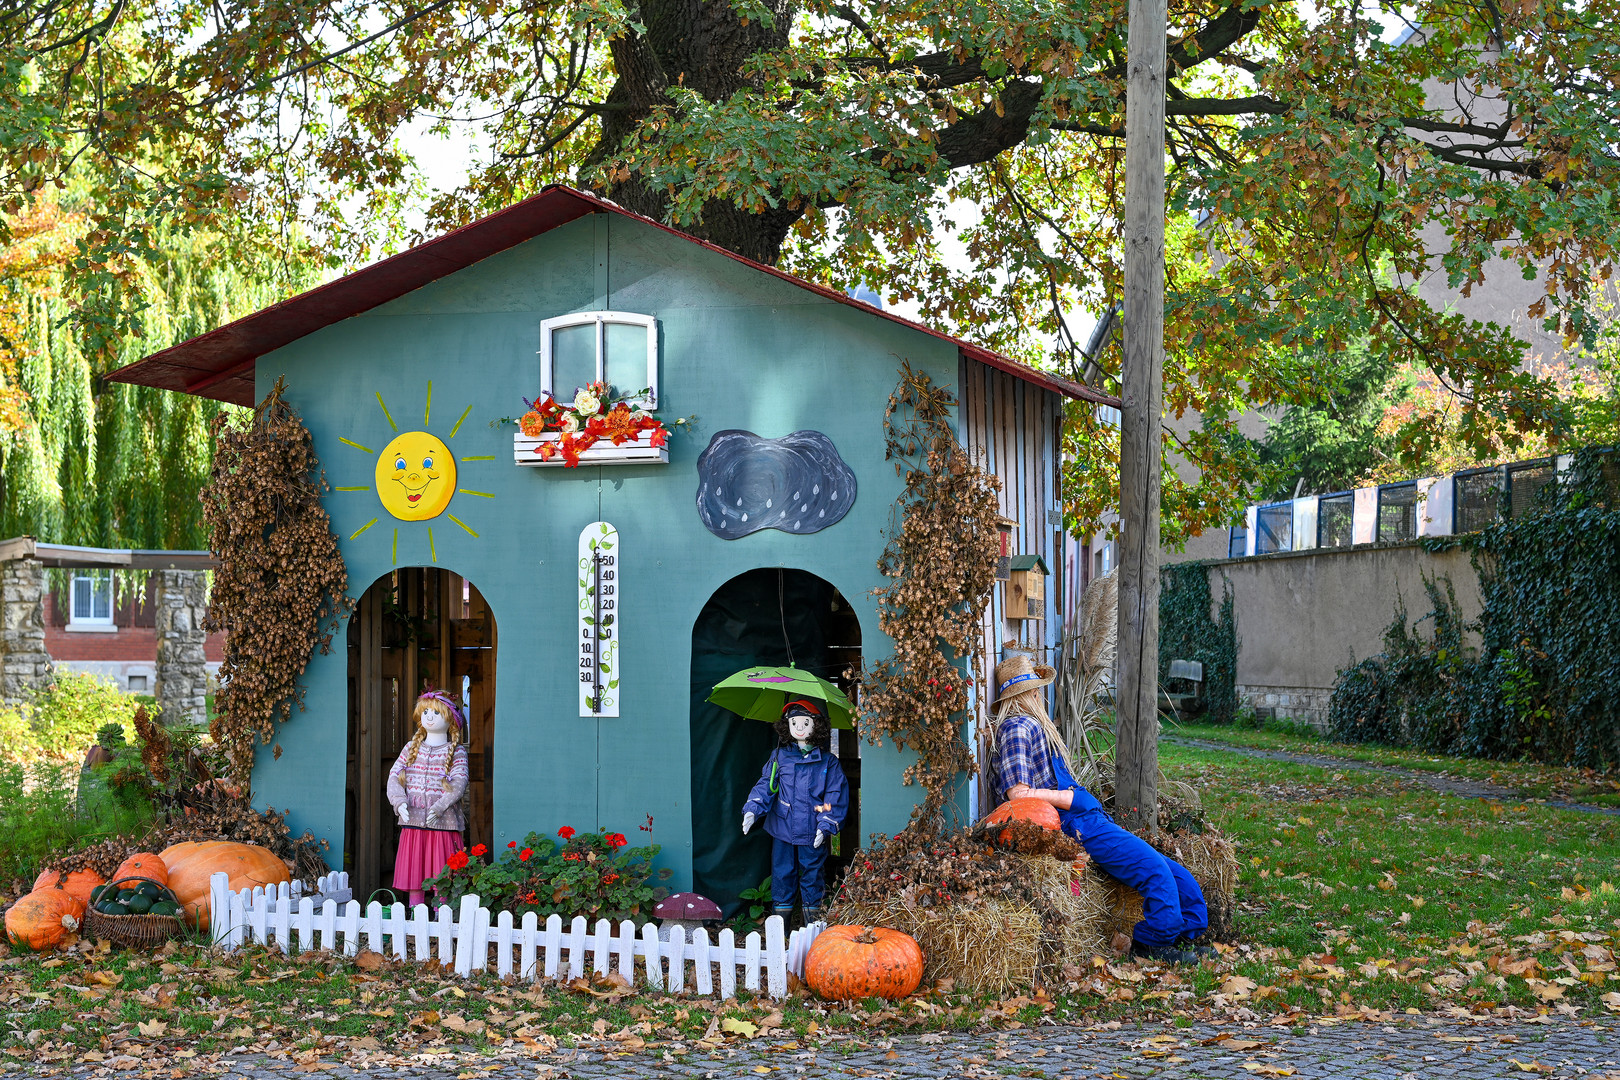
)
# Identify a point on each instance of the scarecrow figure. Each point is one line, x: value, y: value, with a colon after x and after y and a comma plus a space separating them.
x: 425, y: 788
x: 1031, y: 761
x: 803, y: 796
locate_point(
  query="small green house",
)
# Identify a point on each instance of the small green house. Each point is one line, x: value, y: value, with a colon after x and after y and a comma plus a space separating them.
x: 583, y: 611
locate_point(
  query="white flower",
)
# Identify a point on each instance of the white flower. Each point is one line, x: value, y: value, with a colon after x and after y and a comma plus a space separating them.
x: 570, y: 423
x: 587, y: 403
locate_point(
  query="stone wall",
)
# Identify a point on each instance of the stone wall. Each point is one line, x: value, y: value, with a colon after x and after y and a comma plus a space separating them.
x: 25, y: 666
x: 182, y: 662
x: 1303, y: 616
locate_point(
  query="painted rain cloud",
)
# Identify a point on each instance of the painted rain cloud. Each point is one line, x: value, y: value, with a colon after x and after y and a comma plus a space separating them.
x: 798, y: 483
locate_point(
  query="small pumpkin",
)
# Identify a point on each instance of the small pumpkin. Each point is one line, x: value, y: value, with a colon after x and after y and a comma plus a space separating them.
x: 1037, y: 811
x: 44, y: 918
x: 192, y: 863
x: 79, y: 883
x: 143, y: 864
x: 849, y: 962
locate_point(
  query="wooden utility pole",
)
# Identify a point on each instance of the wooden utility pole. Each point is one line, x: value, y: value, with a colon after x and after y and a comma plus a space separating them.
x: 1136, y: 786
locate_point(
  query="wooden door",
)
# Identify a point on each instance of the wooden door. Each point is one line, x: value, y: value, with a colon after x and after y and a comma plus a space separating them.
x: 413, y: 628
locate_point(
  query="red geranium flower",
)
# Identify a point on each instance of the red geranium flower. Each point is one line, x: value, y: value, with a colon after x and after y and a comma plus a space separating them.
x: 512, y: 844
x: 523, y: 856
x: 458, y: 861
x: 616, y: 839
x: 480, y: 849
x: 571, y: 856
x: 609, y: 879
x: 565, y: 832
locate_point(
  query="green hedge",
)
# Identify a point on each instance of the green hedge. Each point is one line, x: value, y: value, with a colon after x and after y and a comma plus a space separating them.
x: 1189, y: 629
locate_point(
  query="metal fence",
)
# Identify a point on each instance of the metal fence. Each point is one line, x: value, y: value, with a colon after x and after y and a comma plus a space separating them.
x: 1397, y: 511
x: 1274, y: 528
x: 1524, y: 484
x: 1476, y: 499
x: 1335, y: 520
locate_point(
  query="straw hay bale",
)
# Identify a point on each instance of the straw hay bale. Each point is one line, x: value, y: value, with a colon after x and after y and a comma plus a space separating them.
x: 997, y: 945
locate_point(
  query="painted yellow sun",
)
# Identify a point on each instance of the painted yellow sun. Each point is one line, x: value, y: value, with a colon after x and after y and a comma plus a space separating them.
x: 416, y: 475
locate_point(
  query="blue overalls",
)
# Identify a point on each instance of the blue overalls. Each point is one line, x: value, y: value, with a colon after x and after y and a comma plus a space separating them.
x: 1172, y: 903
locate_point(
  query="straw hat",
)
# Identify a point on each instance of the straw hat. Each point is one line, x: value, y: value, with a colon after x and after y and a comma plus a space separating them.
x: 1018, y: 672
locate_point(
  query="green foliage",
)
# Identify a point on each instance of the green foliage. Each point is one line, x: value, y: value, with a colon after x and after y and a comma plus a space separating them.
x: 1189, y: 630
x: 44, y: 816
x: 597, y: 875
x: 61, y: 721
x: 1543, y: 684
x: 1331, y: 439
x: 757, y: 903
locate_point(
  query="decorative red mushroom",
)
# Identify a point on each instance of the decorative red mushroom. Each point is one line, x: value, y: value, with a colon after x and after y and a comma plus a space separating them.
x: 685, y: 910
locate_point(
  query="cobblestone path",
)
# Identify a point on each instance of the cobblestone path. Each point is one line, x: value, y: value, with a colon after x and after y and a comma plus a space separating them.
x: 1446, y: 785
x: 1415, y: 1049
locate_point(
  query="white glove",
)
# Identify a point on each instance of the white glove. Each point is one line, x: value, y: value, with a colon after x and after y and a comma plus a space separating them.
x: 432, y: 820
x: 820, y: 836
x: 748, y: 823
x: 404, y: 812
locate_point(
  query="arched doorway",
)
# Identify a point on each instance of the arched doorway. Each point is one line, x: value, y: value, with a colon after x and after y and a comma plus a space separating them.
x: 415, y: 627
x: 761, y: 617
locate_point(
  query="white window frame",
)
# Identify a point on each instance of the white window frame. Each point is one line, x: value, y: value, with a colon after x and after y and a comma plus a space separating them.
x: 601, y: 319
x: 91, y: 622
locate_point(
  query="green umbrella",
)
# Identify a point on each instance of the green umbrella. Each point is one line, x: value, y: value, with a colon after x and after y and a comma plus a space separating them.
x: 760, y: 692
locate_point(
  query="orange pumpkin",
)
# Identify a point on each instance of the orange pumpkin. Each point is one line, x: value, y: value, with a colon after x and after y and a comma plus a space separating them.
x: 79, y: 883
x: 143, y: 864
x: 44, y: 918
x: 191, y: 864
x: 849, y: 962
x: 1038, y: 811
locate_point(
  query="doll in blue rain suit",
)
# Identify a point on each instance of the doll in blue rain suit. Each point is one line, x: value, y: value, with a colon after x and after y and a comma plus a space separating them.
x: 803, y: 796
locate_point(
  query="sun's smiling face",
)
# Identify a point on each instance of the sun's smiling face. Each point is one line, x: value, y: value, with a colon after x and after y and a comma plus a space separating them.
x: 416, y: 476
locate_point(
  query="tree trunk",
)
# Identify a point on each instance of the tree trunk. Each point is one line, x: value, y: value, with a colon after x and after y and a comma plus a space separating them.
x: 1136, y: 795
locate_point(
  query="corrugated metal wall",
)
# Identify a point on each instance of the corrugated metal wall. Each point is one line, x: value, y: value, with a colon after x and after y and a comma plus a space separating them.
x: 1012, y: 430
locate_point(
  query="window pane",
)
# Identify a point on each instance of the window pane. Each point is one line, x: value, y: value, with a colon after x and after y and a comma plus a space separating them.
x: 103, y: 603
x: 626, y: 367
x: 81, y: 598
x: 573, y: 359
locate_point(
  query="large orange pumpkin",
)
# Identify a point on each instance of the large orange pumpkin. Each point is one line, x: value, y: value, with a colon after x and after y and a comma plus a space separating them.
x: 143, y: 864
x: 1038, y: 811
x: 191, y: 864
x: 849, y: 962
x: 79, y: 883
x: 44, y: 918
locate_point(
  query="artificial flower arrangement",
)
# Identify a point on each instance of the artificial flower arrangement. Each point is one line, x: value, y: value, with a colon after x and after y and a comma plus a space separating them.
x: 594, y: 414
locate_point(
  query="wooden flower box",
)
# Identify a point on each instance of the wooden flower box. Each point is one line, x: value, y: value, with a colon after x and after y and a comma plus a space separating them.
x: 526, y: 451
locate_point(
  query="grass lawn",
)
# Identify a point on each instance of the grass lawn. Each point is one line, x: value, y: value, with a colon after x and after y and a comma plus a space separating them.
x: 1528, y: 778
x: 1359, y: 898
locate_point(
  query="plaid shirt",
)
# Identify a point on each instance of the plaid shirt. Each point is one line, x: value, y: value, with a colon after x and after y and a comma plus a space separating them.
x: 1022, y: 757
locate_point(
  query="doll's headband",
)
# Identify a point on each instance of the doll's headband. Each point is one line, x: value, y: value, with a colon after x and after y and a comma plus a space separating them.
x: 439, y: 697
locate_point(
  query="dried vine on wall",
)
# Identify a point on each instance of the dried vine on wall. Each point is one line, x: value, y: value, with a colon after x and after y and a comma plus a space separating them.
x: 941, y: 557
x: 280, y: 584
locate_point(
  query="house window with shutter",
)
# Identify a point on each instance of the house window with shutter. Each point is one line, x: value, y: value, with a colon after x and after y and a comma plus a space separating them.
x: 619, y: 348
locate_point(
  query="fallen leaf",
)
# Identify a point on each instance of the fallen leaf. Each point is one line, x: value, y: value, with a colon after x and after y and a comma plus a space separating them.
x: 1238, y: 986
x: 370, y: 961
x: 1265, y: 1069
x: 153, y: 1029
x: 1532, y: 1066
x: 739, y: 1027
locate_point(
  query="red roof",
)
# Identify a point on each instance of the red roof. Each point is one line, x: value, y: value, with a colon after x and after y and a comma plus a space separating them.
x: 219, y: 364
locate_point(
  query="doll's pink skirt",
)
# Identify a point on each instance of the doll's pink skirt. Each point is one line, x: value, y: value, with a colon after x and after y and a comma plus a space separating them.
x: 422, y: 855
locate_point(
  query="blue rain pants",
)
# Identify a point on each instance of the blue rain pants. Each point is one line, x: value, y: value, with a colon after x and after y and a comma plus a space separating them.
x: 1172, y: 903
x: 796, y: 871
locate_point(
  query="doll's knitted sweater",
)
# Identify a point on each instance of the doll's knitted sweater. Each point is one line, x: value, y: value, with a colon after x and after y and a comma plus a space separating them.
x: 424, y: 787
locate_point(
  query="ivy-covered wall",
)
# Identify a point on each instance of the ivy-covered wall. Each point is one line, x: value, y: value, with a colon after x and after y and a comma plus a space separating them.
x: 1191, y: 629
x: 1544, y: 682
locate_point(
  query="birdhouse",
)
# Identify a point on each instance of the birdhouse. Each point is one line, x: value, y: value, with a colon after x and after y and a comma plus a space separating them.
x: 1005, y: 526
x: 1024, y: 594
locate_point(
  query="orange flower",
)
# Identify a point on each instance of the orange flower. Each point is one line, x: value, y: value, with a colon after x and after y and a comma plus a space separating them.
x: 620, y: 426
x: 532, y: 423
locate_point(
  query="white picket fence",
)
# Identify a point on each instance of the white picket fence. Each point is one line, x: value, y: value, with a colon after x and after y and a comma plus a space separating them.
x: 526, y: 950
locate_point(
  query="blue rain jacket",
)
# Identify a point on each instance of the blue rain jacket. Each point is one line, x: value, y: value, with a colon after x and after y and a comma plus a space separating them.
x: 791, y: 786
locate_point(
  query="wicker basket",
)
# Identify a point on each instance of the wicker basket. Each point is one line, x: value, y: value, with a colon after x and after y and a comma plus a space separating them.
x: 139, y: 931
